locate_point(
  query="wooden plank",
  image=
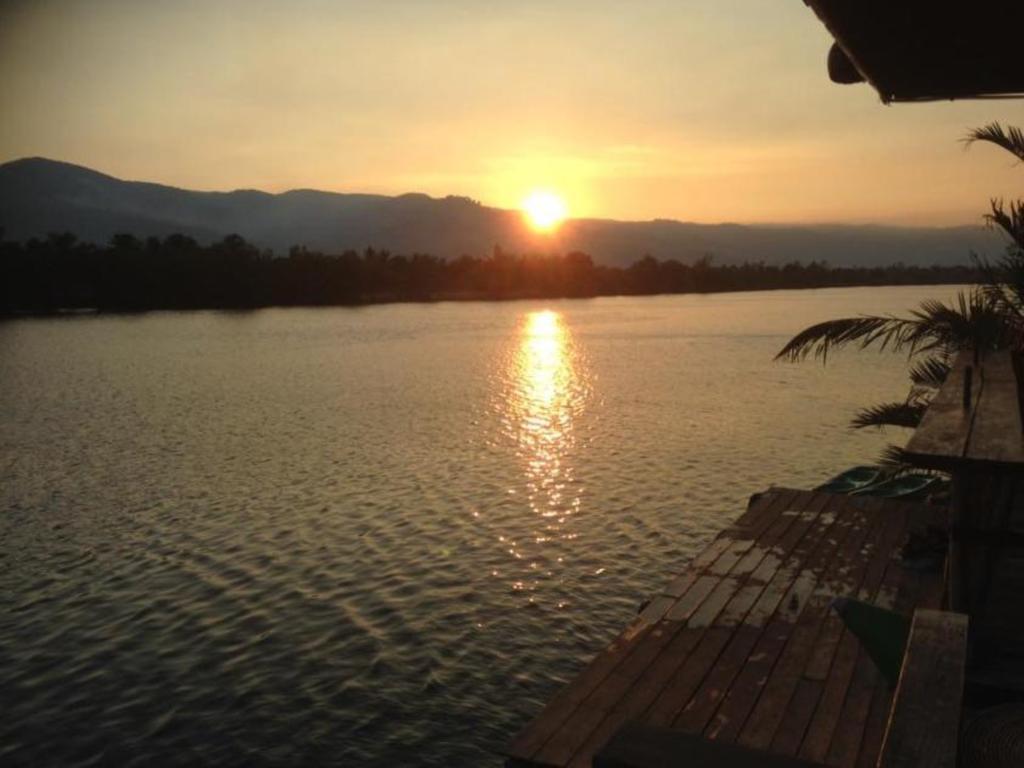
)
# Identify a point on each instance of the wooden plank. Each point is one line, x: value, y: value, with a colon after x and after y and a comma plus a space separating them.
x: 687, y: 639
x: 688, y: 678
x: 638, y: 634
x: 832, y: 692
x: 682, y: 684
x: 751, y: 524
x: 941, y: 439
x: 809, y: 559
x: 756, y: 713
x: 730, y: 557
x: 656, y: 608
x: 798, y: 713
x: 823, y: 681
x: 847, y: 740
x: 826, y: 718
x: 997, y: 434
x: 597, y: 695
x: 642, y: 746
x: 913, y: 589
x: 866, y: 709
x: 699, y: 710
x: 684, y: 607
x: 729, y: 645
x: 874, y: 728
x: 760, y: 513
x: 698, y: 643
x: 925, y: 718
x: 860, y: 580
x: 770, y: 713
x: 681, y: 583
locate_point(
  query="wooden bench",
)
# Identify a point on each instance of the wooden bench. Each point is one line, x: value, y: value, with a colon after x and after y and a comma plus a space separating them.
x: 924, y: 722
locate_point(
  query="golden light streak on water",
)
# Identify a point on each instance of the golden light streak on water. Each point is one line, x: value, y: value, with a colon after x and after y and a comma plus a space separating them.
x: 546, y: 395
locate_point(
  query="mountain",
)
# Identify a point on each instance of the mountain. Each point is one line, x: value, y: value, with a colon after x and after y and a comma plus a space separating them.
x: 40, y: 196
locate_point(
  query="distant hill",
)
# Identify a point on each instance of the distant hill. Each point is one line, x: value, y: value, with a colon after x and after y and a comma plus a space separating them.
x: 39, y: 196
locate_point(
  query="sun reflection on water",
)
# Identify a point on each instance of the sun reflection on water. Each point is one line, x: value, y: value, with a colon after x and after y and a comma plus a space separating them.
x: 545, y: 409
x: 545, y: 395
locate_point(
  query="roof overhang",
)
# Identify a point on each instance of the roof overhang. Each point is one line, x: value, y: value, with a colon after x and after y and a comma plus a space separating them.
x: 927, y: 50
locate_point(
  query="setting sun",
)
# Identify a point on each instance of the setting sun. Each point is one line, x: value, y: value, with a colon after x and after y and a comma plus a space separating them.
x: 544, y: 210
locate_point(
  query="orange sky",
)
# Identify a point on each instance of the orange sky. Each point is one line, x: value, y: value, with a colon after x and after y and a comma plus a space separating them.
x: 717, y: 110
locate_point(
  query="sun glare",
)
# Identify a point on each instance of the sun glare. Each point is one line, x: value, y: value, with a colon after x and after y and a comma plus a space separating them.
x: 544, y: 210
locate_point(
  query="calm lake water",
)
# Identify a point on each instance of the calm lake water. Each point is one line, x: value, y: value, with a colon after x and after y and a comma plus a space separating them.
x: 378, y: 536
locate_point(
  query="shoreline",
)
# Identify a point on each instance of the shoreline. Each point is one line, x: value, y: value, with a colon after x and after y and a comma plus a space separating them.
x: 441, y: 298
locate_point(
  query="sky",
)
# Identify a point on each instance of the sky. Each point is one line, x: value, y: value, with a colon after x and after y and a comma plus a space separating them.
x: 698, y: 110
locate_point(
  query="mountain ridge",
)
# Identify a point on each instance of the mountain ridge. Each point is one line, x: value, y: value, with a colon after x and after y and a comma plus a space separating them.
x: 39, y: 196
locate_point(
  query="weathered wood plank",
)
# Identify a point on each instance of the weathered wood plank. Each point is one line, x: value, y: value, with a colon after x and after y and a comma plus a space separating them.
x: 731, y: 647
x: 643, y: 746
x: 638, y: 677
x: 597, y: 689
x: 988, y: 433
x: 810, y: 558
x: 849, y: 737
x: 806, y: 725
x: 680, y: 686
x: 910, y: 589
x: 996, y: 434
x: 941, y: 438
x: 867, y: 703
x: 768, y: 707
x: 754, y: 675
x: 925, y: 718
x: 725, y: 607
x: 874, y: 728
x: 751, y: 524
x: 759, y: 515
x: 826, y: 718
x: 639, y: 634
x: 857, y: 577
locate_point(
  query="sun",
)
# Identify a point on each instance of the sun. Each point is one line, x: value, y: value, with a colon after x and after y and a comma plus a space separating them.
x: 544, y: 210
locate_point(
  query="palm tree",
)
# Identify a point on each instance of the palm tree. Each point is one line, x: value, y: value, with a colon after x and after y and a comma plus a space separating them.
x: 1004, y: 283
x: 989, y: 316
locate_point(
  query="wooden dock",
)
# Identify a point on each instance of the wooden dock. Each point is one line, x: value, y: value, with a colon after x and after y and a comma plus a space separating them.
x: 742, y: 648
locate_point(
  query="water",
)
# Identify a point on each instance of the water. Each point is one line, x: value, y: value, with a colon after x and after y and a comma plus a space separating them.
x: 378, y: 536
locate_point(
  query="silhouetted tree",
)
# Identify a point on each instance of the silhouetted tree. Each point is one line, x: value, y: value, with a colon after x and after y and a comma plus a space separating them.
x: 176, y: 272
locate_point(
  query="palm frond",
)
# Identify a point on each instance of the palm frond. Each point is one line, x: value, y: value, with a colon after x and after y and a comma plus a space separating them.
x: 895, y: 459
x: 1010, y: 138
x: 930, y: 372
x: 905, y: 413
x: 973, y: 320
x: 1009, y: 219
x: 819, y: 339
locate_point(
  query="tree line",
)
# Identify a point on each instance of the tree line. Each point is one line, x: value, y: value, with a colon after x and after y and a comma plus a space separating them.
x: 177, y: 272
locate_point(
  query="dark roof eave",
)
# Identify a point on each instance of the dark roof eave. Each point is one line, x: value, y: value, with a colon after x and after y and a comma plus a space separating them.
x: 926, y: 50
